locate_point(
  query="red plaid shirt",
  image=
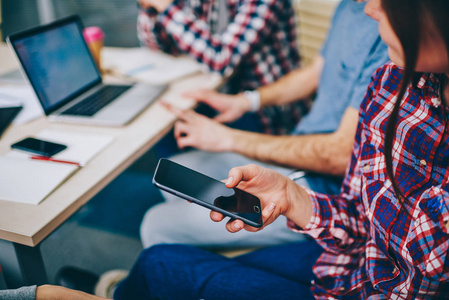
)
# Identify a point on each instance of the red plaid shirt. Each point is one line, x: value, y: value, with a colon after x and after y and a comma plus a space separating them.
x: 373, y: 248
x: 259, y: 40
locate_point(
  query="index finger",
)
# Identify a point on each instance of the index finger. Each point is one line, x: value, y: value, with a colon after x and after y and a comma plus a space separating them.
x: 173, y: 109
x: 216, y: 216
x: 195, y: 94
x: 242, y: 173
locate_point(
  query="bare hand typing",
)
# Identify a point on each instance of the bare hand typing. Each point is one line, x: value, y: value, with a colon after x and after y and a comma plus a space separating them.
x: 195, y: 130
x: 231, y: 107
x: 159, y: 5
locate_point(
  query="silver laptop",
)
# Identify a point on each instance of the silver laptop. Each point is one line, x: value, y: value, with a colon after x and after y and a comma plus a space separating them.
x: 57, y: 62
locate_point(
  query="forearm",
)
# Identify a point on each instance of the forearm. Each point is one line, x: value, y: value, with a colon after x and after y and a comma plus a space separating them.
x: 50, y: 292
x: 324, y: 153
x: 298, y: 84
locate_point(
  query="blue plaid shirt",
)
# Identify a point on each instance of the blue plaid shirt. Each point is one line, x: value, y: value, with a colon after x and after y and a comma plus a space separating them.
x: 373, y: 248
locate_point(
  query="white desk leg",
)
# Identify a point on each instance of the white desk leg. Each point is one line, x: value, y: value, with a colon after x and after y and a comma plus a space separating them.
x: 21, y: 265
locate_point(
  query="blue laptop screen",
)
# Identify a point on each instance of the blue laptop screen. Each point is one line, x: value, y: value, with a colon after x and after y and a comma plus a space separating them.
x: 58, y: 63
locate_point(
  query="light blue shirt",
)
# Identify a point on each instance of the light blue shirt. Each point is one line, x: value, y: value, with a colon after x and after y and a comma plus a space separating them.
x: 352, y: 52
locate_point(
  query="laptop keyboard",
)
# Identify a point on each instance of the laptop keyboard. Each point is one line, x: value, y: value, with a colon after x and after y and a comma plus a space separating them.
x: 96, y: 101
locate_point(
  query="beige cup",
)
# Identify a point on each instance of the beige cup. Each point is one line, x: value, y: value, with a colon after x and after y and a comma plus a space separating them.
x: 94, y: 37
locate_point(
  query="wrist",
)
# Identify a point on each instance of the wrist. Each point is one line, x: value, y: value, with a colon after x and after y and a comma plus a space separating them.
x: 235, y: 138
x: 300, y: 207
x: 253, y: 100
x: 229, y: 140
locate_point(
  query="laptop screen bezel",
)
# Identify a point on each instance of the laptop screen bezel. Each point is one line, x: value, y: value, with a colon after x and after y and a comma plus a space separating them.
x: 13, y: 38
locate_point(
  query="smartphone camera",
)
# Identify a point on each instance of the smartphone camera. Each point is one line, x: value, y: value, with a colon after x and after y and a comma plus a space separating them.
x: 256, y: 209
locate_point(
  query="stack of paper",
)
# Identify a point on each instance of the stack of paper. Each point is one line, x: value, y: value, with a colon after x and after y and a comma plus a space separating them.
x: 149, y: 66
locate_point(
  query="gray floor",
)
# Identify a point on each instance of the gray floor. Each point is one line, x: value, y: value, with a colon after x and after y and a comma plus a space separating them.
x: 88, y: 248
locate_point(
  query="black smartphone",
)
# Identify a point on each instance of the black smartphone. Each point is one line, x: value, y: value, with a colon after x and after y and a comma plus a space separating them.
x: 37, y: 146
x: 208, y: 192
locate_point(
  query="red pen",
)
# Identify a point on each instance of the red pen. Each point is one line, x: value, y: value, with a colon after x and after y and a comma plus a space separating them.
x: 45, y: 158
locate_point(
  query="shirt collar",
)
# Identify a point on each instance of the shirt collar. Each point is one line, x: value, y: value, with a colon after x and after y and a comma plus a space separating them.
x: 429, y: 84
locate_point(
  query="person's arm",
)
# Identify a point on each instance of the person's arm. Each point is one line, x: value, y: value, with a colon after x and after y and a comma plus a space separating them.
x: 54, y: 292
x: 323, y: 153
x: 336, y: 221
x: 46, y: 292
x: 429, y: 234
x: 24, y: 293
x: 278, y: 195
x: 151, y: 33
x: 221, y: 52
x: 296, y: 85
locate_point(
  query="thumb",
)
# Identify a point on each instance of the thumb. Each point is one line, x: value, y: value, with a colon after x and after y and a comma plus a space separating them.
x: 225, y: 117
x: 234, y: 177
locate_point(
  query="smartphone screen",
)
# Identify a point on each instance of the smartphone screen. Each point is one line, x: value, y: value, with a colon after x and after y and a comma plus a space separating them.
x: 208, y: 192
x: 39, y: 147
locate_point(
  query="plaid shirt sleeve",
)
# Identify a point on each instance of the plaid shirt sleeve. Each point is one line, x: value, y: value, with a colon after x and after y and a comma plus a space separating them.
x: 429, y: 237
x: 152, y: 34
x: 337, y: 219
x: 178, y: 25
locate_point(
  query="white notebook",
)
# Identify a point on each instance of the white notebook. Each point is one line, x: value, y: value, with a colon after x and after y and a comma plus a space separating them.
x: 30, y: 181
x: 81, y: 146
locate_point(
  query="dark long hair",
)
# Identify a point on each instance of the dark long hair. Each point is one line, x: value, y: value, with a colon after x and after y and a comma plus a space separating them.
x: 410, y: 19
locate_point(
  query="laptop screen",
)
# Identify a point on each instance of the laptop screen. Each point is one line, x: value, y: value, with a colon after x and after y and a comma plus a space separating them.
x: 57, y: 62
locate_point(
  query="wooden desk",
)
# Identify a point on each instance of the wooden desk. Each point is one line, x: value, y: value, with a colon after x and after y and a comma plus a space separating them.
x: 25, y: 226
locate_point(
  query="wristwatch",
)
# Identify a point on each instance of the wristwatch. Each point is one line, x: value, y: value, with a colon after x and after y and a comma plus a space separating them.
x: 254, y: 99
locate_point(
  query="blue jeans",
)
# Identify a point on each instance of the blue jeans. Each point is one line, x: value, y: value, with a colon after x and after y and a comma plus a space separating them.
x: 185, y: 272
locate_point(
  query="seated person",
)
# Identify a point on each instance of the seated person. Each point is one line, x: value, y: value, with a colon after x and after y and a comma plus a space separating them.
x: 251, y: 43
x: 321, y: 143
x: 386, y: 235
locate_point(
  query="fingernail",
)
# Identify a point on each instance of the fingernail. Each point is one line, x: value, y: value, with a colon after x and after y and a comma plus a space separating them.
x: 272, y: 206
x: 230, y: 180
x: 237, y: 226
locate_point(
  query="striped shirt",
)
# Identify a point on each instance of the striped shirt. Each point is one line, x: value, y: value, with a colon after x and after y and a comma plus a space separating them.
x: 373, y: 248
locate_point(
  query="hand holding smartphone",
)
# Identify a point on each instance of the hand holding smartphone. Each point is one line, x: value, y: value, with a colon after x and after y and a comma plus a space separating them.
x: 40, y: 147
x: 208, y: 192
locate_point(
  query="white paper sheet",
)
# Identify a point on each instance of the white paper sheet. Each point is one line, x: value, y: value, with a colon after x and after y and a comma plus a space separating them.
x: 13, y: 95
x: 81, y: 147
x: 149, y: 66
x: 30, y: 181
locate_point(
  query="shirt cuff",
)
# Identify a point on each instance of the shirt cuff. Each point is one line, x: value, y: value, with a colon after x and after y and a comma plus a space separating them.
x: 313, y: 228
